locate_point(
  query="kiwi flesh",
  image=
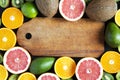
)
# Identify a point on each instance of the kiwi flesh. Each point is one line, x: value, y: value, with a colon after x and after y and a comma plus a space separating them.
x: 101, y: 10
x: 17, y: 3
x: 4, y: 3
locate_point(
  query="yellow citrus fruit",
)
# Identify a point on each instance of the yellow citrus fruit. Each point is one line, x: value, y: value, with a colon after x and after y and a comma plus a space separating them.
x: 12, y: 18
x: 7, y: 39
x: 3, y: 73
x: 27, y: 76
x: 111, y: 61
x: 65, y: 67
x: 117, y: 17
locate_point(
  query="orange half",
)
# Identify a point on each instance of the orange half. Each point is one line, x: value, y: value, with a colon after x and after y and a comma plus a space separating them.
x: 12, y: 18
x: 7, y: 39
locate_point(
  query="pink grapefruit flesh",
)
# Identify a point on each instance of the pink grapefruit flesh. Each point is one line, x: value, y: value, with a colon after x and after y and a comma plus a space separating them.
x: 89, y: 69
x: 48, y: 76
x: 16, y: 60
x: 72, y: 10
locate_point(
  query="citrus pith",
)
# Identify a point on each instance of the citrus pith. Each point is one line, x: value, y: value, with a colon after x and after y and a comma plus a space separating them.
x: 65, y: 67
x: 12, y: 18
x: 7, y: 39
x: 110, y: 61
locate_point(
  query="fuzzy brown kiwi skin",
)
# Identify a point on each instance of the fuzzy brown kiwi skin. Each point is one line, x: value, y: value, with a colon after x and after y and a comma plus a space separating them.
x: 101, y: 10
x: 47, y: 7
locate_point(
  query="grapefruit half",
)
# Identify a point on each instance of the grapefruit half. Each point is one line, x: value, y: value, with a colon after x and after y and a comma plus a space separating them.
x: 48, y: 76
x: 16, y: 60
x: 89, y: 69
x: 72, y: 10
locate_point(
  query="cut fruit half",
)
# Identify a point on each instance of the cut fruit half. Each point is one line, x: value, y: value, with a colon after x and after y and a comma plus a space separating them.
x: 48, y: 76
x: 89, y: 69
x: 7, y: 39
x: 72, y: 10
x: 16, y: 60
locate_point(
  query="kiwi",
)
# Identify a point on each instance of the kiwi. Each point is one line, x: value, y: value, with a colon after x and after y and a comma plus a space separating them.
x: 17, y: 3
x: 47, y: 7
x: 4, y: 3
x: 101, y: 10
x: 29, y: 0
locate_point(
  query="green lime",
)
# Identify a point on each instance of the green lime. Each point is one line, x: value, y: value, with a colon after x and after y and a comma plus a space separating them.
x: 118, y: 76
x: 29, y: 10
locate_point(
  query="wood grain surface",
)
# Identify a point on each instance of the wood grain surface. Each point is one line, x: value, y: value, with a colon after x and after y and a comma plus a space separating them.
x: 58, y: 37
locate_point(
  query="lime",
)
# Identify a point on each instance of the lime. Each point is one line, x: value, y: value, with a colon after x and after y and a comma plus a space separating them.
x: 13, y: 77
x: 29, y: 10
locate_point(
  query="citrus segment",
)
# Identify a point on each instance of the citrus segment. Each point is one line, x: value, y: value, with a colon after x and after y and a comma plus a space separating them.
x: 3, y: 73
x: 65, y: 67
x: 12, y: 18
x: 48, y: 76
x: 117, y: 17
x: 7, y: 39
x: 72, y: 10
x: 27, y: 76
x: 89, y: 68
x: 16, y: 60
x: 110, y: 61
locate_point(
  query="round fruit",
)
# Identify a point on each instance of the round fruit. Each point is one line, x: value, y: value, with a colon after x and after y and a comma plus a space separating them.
x: 65, y: 67
x: 110, y: 61
x: 48, y: 76
x: 4, y: 3
x: 1, y: 58
x: 16, y: 60
x: 41, y: 65
x: 7, y: 39
x: 3, y: 73
x: 17, y: 3
x: 46, y: 7
x: 107, y: 76
x: 117, y: 17
x: 72, y: 10
x: 89, y: 68
x: 112, y: 33
x: 12, y: 18
x: 29, y: 10
x: 27, y: 76
x: 118, y: 76
x: 13, y: 77
x: 101, y: 10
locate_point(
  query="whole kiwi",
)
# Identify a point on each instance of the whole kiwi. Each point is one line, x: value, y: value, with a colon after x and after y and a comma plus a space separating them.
x: 101, y: 10
x: 47, y: 7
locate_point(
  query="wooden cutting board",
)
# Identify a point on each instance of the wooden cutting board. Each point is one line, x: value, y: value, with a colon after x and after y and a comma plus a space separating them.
x: 58, y: 37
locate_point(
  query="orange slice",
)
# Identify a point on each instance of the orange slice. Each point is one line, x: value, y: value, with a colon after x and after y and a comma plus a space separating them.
x: 117, y: 17
x: 3, y: 73
x: 27, y: 76
x: 111, y: 61
x: 65, y: 67
x: 7, y: 39
x: 12, y: 18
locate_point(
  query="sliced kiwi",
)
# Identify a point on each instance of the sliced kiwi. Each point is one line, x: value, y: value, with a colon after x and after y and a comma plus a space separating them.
x: 4, y: 3
x: 17, y: 3
x: 1, y: 58
x: 13, y: 77
x: 29, y: 0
